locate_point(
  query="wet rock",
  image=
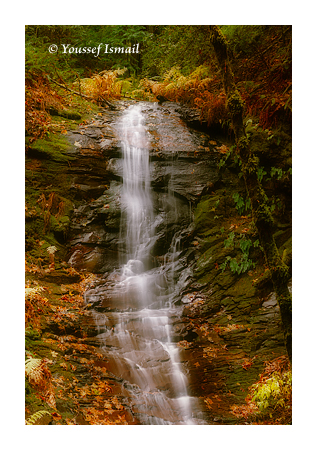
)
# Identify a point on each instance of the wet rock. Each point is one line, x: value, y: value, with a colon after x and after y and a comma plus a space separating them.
x: 95, y: 232
x: 93, y: 259
x: 186, y: 179
x: 271, y: 301
x: 60, y: 277
x: 188, y: 298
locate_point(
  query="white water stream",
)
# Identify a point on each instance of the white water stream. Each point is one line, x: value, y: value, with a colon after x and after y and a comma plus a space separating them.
x: 136, y: 332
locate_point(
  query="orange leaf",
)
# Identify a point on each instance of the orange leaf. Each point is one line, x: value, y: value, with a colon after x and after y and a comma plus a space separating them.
x: 247, y: 364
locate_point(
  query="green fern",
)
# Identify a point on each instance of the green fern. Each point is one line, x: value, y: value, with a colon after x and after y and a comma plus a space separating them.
x: 36, y: 417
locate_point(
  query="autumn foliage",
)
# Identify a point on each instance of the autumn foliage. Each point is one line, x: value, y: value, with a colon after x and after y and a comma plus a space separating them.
x: 103, y: 85
x: 261, y: 59
x: 269, y: 400
x: 39, y: 98
x: 201, y: 89
x: 60, y: 368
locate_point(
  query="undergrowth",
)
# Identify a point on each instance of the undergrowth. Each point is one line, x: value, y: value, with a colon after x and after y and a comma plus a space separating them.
x: 200, y: 89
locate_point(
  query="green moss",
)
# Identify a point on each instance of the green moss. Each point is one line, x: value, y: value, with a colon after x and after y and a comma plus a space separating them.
x: 243, y: 288
x: 54, y: 147
x: 32, y: 334
x: 37, y: 250
x: 235, y: 103
x: 59, y: 224
x: 32, y: 401
x: 205, y: 214
x: 70, y: 114
x: 283, y: 239
x: 263, y: 214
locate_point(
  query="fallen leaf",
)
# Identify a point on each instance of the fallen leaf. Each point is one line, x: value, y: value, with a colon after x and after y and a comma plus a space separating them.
x: 247, y: 364
x: 223, y: 149
x: 208, y: 402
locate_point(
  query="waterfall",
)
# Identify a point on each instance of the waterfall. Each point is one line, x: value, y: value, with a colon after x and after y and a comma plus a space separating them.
x: 136, y: 332
x: 136, y: 195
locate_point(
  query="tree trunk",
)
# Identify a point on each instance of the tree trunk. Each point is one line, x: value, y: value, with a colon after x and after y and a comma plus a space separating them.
x: 279, y: 271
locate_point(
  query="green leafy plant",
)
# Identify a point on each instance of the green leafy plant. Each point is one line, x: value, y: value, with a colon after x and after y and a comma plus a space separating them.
x: 237, y: 266
x: 245, y: 245
x: 244, y: 263
x: 229, y: 241
x: 260, y: 173
x: 241, y: 205
x: 227, y: 156
x: 239, y: 202
x: 276, y: 171
x: 222, y: 163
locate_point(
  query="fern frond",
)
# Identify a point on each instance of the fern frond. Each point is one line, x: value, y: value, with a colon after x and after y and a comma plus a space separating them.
x: 40, y: 377
x: 36, y: 417
x: 34, y: 370
x: 32, y: 293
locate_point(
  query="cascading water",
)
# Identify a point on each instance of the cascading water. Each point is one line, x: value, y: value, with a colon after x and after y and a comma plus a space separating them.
x: 136, y: 196
x: 136, y: 331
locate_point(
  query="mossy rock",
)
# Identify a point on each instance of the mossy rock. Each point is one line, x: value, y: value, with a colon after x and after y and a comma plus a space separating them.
x: 60, y: 227
x: 66, y: 113
x: 31, y: 334
x: 72, y: 115
x: 283, y: 236
x: 274, y: 150
x: 61, y: 276
x: 243, y: 288
x: 59, y: 224
x: 206, y: 262
x: 53, y: 147
x: 205, y: 214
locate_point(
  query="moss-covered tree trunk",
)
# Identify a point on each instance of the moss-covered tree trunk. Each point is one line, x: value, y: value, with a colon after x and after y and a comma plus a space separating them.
x: 279, y: 271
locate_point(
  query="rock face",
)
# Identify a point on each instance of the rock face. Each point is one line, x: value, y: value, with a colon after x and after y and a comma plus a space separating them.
x: 182, y: 163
